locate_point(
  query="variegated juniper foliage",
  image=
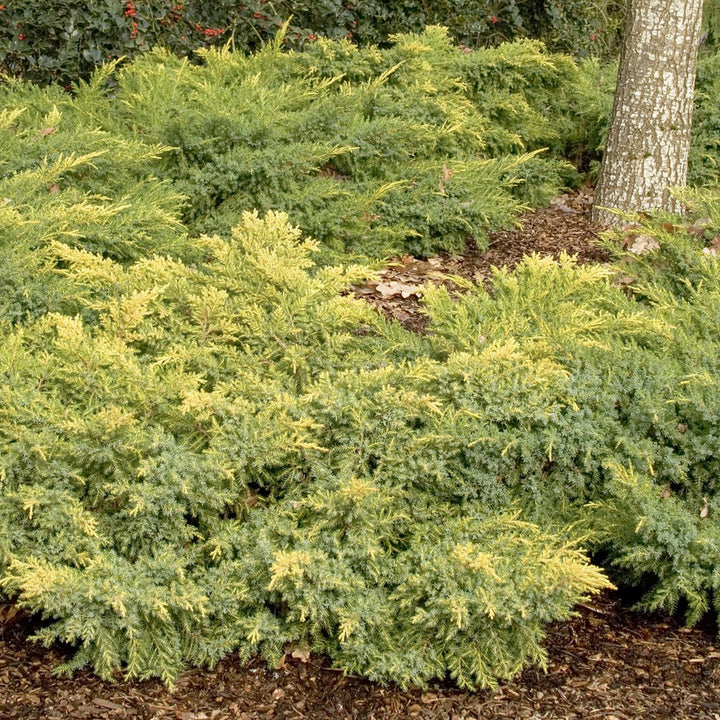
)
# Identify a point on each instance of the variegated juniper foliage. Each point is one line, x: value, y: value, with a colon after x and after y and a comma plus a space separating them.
x: 205, y: 446
x: 410, y: 149
x: 133, y: 438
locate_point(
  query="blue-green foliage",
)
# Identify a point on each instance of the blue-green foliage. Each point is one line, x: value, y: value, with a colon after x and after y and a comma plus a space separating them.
x: 62, y: 179
x: 182, y: 477
x: 705, y: 148
x: 583, y: 112
x: 234, y: 456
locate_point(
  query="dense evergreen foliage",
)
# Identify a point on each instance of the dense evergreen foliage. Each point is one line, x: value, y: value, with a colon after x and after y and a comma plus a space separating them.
x: 411, y: 149
x: 66, y: 40
x: 206, y: 446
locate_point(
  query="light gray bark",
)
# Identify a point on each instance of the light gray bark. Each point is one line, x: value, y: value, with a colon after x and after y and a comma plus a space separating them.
x: 649, y: 137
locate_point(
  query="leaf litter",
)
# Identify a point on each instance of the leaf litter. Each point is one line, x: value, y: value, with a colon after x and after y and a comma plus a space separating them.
x: 564, y: 226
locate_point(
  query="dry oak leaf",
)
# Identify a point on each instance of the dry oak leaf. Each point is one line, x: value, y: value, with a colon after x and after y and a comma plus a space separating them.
x: 393, y: 288
x: 560, y: 203
x: 299, y: 652
x: 447, y: 173
x: 700, y: 226
x: 714, y: 246
x: 8, y: 612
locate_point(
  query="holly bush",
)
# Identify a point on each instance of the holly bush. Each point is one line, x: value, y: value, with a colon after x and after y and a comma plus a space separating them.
x: 61, y: 42
x: 64, y: 41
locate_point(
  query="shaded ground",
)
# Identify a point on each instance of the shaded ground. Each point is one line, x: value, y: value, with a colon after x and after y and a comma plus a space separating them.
x: 606, y: 664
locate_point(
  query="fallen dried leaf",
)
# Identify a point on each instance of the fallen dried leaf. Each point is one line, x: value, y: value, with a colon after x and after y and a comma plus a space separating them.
x: 400, y: 315
x: 8, y: 612
x: 640, y: 244
x: 391, y: 289
x: 300, y: 652
x: 714, y: 246
x: 701, y: 224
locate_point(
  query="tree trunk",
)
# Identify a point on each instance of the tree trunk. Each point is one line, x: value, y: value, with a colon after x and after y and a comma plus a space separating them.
x: 649, y: 137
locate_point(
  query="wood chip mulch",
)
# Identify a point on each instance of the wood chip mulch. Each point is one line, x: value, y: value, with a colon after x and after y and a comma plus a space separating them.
x: 608, y: 663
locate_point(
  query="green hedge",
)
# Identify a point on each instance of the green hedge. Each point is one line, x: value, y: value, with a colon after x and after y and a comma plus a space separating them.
x: 65, y: 40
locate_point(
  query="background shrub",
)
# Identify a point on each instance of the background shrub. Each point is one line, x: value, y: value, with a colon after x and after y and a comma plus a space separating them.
x: 61, y: 42
x: 371, y: 151
x: 704, y: 167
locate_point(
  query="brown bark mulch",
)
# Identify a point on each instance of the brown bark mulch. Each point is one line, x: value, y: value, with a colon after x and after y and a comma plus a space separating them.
x: 608, y: 663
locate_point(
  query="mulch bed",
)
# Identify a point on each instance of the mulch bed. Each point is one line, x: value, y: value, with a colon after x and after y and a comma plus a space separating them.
x: 608, y: 663
x: 564, y: 227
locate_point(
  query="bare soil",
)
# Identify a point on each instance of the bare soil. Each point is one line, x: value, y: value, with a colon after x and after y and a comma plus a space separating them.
x: 608, y: 663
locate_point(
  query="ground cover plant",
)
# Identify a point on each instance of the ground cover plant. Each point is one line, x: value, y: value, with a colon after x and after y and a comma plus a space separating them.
x: 374, y: 152
x: 206, y: 447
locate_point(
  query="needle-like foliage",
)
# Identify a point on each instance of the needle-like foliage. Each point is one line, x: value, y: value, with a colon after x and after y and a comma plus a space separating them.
x: 207, y: 446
